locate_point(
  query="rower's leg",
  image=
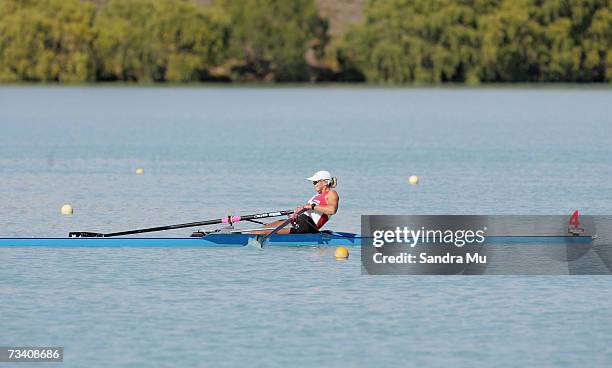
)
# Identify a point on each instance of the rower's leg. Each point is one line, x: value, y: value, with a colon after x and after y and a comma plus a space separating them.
x: 274, y: 224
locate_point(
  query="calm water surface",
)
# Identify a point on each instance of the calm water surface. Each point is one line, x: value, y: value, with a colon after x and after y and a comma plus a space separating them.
x: 208, y: 152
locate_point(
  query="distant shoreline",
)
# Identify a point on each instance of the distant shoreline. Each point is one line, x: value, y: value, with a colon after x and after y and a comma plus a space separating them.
x: 394, y: 42
x: 315, y: 85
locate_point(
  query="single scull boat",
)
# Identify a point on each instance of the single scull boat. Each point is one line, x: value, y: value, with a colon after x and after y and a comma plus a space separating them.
x: 327, y: 238
x: 211, y: 240
x: 230, y: 237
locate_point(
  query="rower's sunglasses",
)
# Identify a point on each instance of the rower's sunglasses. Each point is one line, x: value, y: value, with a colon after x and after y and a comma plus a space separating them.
x: 315, y: 182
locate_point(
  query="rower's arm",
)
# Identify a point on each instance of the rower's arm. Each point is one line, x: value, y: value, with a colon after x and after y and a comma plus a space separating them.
x: 332, y: 204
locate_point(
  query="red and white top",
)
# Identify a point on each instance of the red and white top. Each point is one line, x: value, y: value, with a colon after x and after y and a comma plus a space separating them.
x: 318, y: 218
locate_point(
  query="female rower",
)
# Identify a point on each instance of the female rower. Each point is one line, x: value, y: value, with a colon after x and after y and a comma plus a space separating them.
x: 318, y: 210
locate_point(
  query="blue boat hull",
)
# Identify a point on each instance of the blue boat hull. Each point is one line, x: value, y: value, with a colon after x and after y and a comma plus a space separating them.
x: 212, y: 240
x: 241, y: 240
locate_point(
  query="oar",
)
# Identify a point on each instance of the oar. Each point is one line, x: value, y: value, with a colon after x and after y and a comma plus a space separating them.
x: 224, y: 220
x: 260, y: 240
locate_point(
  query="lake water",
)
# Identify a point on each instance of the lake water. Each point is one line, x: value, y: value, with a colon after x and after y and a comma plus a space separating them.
x: 209, y: 152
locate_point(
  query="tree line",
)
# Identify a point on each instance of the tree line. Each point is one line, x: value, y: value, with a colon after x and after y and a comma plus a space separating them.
x: 397, y: 42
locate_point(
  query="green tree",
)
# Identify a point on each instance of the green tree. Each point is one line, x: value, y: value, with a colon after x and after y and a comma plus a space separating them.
x: 432, y: 41
x: 159, y: 40
x: 399, y: 41
x: 46, y: 40
x: 546, y: 40
x: 510, y: 43
x: 272, y: 37
x: 594, y: 31
x: 423, y: 41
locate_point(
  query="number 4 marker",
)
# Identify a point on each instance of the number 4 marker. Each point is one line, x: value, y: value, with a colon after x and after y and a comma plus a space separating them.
x: 574, y: 219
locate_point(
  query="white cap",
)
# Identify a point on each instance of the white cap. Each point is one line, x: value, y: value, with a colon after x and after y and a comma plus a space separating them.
x: 320, y: 175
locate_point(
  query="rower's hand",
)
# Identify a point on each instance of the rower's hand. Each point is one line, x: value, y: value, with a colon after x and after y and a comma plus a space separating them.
x: 296, y: 210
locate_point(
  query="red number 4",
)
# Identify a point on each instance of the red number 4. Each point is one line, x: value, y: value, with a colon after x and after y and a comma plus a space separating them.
x: 574, y: 219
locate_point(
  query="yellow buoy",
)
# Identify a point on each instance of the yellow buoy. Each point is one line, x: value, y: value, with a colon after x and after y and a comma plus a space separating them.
x: 140, y: 171
x: 414, y: 180
x: 342, y: 253
x: 67, y: 210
